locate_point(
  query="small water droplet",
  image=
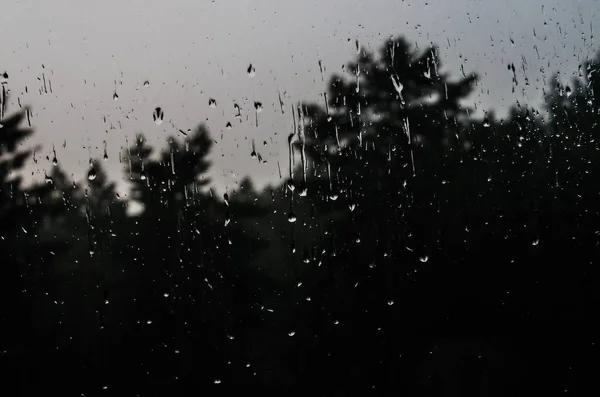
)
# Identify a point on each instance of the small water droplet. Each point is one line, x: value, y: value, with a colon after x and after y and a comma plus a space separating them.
x: 258, y: 106
x: 291, y: 185
x: 568, y: 91
x: 292, y: 333
x: 486, y: 122
x: 424, y: 258
x: 251, y: 71
x: 146, y: 83
x: 166, y: 294
x: 92, y: 174
x: 228, y: 125
x: 535, y: 242
x: 217, y: 381
x: 212, y: 103
x: 115, y: 97
x: 158, y: 116
x: 390, y: 302
x: 291, y: 217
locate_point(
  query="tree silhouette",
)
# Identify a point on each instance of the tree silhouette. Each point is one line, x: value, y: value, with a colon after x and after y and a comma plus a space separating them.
x: 195, y: 285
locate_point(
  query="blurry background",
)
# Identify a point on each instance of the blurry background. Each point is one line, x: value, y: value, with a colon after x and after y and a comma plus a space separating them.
x: 190, y: 51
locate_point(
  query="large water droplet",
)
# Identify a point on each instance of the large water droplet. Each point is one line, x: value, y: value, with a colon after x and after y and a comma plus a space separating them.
x: 158, y: 116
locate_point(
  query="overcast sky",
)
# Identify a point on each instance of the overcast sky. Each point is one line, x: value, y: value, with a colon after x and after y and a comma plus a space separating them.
x: 193, y: 50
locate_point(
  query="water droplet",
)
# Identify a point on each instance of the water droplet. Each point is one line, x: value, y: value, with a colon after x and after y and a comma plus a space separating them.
x: 535, y: 242
x: 49, y: 180
x: 212, y: 103
x: 226, y: 199
x: 92, y: 174
x: 390, y: 302
x: 303, y: 192
x: 158, y: 116
x: 291, y: 185
x: 251, y: 71
x: 217, y: 381
x: 228, y: 125
x: 166, y: 294
x: 115, y: 97
x: 291, y: 217
x: 149, y: 322
x: 258, y: 106
x: 143, y: 176
x: 54, y: 161
x: 486, y: 122
x: 424, y: 258
x: 292, y: 333
x: 568, y: 91
x: 146, y: 83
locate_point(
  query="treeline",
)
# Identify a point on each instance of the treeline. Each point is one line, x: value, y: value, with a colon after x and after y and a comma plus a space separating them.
x: 414, y: 248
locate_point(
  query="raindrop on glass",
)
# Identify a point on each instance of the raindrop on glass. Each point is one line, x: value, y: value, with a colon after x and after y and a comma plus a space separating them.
x: 158, y: 116
x: 228, y: 125
x: 115, y: 97
x: 92, y: 174
x: 251, y: 71
x: 212, y: 103
x: 568, y: 91
x: 258, y: 106
x: 291, y: 217
x: 424, y: 258
x: 146, y: 83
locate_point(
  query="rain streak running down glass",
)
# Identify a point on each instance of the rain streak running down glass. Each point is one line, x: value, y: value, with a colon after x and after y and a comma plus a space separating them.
x: 386, y: 197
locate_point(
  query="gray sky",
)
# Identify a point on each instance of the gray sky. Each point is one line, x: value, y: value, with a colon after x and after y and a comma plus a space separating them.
x: 193, y: 50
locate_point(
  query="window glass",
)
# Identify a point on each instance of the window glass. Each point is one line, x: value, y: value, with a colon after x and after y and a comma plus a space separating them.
x: 329, y: 197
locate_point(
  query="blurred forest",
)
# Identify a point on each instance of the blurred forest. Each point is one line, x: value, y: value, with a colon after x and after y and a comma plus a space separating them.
x: 413, y: 248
